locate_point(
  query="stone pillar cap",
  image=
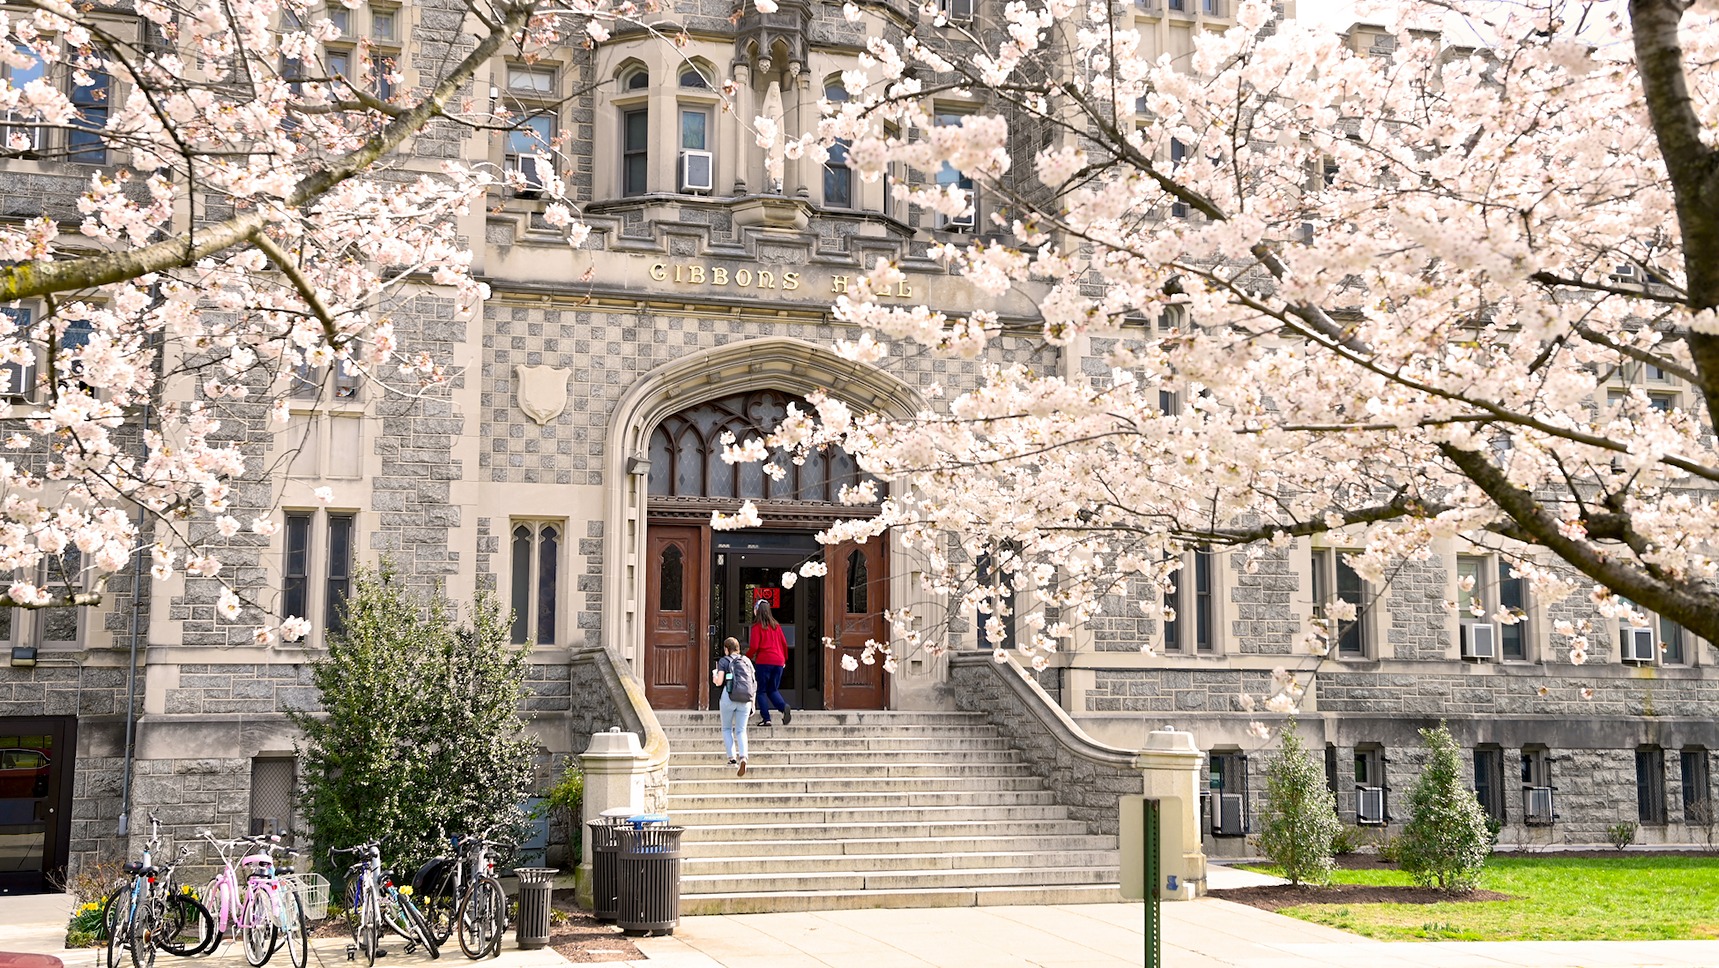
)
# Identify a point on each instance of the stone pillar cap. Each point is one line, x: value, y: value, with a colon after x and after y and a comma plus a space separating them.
x: 615, y: 743
x: 1172, y: 740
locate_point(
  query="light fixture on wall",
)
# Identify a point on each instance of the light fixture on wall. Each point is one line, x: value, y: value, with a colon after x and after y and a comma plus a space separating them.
x: 23, y: 656
x: 639, y: 466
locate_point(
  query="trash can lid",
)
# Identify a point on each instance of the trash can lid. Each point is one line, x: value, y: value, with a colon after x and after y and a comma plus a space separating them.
x: 642, y: 819
x: 620, y: 813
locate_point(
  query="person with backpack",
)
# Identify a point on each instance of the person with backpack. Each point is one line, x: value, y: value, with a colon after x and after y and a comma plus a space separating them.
x: 737, y: 679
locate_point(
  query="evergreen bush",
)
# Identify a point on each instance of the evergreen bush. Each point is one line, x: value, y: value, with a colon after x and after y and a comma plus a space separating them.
x: 1299, y: 821
x: 419, y: 735
x: 1446, y: 842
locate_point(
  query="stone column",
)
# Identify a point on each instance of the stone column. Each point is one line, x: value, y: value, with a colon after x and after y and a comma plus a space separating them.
x: 614, y: 766
x: 740, y: 127
x: 1170, y: 764
x: 794, y: 179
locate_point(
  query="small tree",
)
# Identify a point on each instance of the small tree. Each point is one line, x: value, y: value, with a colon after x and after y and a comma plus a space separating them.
x: 1300, y: 816
x: 421, y: 734
x: 1446, y: 841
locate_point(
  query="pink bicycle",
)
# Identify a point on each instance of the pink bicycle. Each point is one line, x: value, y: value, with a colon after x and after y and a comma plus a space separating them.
x: 266, y: 913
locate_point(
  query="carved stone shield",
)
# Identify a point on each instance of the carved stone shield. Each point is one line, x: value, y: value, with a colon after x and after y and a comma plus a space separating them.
x: 541, y: 391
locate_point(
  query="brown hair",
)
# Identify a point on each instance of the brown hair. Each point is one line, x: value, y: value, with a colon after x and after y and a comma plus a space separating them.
x: 731, y: 645
x: 761, y: 611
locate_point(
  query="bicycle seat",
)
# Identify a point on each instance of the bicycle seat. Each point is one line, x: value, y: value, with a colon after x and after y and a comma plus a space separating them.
x: 134, y: 867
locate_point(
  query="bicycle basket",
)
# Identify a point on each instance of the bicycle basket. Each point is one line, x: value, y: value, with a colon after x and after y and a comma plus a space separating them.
x: 312, y: 890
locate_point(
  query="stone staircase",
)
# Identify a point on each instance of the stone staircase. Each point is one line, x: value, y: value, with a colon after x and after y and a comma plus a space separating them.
x: 873, y: 810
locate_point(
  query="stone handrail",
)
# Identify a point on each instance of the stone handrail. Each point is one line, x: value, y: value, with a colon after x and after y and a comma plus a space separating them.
x: 1085, y: 775
x: 627, y: 707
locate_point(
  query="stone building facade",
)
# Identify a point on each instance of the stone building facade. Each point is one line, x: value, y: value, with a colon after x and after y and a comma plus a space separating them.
x: 568, y: 465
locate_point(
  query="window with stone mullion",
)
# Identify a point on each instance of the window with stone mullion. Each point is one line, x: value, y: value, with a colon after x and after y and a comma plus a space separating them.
x: 535, y: 580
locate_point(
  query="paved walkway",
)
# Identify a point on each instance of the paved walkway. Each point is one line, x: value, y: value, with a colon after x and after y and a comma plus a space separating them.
x: 1197, y: 934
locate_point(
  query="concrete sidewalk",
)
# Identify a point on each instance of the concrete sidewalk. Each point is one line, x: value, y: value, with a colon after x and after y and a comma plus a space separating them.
x: 1196, y: 934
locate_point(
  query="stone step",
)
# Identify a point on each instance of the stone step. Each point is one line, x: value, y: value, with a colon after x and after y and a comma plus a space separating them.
x: 728, y: 784
x: 784, y: 901
x: 748, y: 829
x: 788, y: 741
x: 1064, y: 844
x: 779, y: 803
x: 904, y: 815
x: 860, y: 759
x: 827, y: 717
x: 895, y: 880
x: 717, y: 768
x: 769, y: 861
x: 713, y: 731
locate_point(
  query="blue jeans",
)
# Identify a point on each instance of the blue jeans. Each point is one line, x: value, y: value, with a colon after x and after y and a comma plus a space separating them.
x: 770, y: 690
x: 734, y: 726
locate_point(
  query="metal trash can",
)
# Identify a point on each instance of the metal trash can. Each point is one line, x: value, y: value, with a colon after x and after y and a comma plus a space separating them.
x: 649, y: 875
x: 605, y: 892
x: 535, y: 887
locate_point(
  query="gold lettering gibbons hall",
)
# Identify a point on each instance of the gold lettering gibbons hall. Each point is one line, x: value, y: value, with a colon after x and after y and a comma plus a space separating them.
x: 751, y: 279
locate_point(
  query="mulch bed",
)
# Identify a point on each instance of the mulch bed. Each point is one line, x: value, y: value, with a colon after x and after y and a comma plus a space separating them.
x: 1275, y: 896
x: 582, y: 939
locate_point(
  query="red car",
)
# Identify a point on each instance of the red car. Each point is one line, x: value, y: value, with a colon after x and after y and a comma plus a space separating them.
x: 23, y: 774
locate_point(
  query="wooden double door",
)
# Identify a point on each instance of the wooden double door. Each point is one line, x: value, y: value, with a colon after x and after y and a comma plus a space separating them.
x: 701, y: 588
x: 35, y: 801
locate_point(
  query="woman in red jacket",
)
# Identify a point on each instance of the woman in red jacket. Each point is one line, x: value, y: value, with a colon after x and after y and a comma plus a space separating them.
x: 768, y: 650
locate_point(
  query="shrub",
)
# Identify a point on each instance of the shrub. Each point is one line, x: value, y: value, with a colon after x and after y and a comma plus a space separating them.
x: 1299, y: 820
x: 561, y: 803
x: 1621, y: 834
x: 421, y: 735
x: 1349, y: 839
x: 1445, y: 843
x: 1389, y: 848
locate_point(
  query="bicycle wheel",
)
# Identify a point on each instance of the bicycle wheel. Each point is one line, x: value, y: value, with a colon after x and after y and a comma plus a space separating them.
x: 145, y: 928
x: 420, y: 929
x: 118, y: 922
x: 439, y: 911
x: 257, y: 926
x: 482, y: 918
x: 367, y: 929
x: 295, y: 937
x: 110, y: 912
x: 187, y: 927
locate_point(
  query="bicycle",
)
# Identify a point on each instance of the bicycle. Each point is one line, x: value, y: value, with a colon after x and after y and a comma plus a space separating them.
x: 468, y: 895
x: 273, y: 915
x: 262, y: 911
x: 146, y: 913
x: 377, y: 905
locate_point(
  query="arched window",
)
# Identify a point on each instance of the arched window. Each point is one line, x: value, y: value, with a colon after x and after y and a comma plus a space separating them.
x: 671, y: 590
x: 838, y: 175
x: 856, y: 583
x: 695, y: 77
x: 636, y: 80
x: 686, y: 454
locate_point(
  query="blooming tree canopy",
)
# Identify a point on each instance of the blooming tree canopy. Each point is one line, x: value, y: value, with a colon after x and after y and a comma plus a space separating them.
x: 1378, y: 295
x: 258, y: 205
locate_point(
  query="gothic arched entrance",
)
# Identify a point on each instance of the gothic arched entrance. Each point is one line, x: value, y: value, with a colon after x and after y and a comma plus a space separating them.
x: 700, y: 584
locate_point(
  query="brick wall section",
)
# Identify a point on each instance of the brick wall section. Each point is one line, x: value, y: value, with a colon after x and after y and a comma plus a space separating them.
x: 242, y: 688
x: 1172, y: 690
x: 1088, y: 787
x: 1415, y: 598
x: 1262, y: 603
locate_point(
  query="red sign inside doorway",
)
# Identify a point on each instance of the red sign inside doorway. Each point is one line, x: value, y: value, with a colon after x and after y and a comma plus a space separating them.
x: 767, y: 593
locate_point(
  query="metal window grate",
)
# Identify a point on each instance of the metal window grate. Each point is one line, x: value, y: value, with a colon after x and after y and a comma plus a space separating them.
x: 272, y: 782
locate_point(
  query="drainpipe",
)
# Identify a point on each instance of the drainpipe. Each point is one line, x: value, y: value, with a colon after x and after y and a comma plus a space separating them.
x: 131, y: 668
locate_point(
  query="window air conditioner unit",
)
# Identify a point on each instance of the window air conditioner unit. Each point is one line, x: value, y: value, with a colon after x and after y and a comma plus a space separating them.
x: 697, y: 171
x: 534, y: 169
x: 1385, y: 42
x: 1370, y: 805
x: 956, y: 11
x: 1479, y: 640
x: 959, y: 223
x: 1231, y: 819
x: 1638, y: 645
x: 1539, y: 806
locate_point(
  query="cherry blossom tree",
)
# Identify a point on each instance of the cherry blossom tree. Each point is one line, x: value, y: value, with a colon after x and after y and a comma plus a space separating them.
x: 259, y: 205
x: 1331, y: 292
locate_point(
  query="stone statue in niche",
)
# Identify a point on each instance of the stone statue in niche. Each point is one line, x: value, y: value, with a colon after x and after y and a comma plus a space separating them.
x: 773, y: 158
x: 541, y: 391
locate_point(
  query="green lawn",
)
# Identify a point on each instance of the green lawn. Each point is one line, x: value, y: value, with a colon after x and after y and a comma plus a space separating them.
x: 1625, y: 898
